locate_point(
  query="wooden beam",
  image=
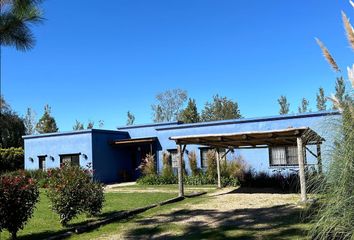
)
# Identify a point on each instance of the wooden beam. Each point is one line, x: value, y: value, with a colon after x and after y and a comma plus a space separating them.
x: 312, y: 153
x: 300, y: 154
x: 181, y: 150
x: 218, y: 167
x: 319, y: 159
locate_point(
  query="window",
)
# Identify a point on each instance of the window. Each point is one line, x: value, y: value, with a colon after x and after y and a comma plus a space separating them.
x: 174, y: 159
x: 42, y: 163
x: 72, y: 159
x: 283, y: 156
x: 204, y: 158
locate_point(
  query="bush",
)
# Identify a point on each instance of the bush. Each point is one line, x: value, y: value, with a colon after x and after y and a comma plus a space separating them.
x: 11, y: 159
x: 167, y: 171
x: 284, y: 181
x: 18, y: 196
x: 211, y: 171
x: 192, y: 157
x: 72, y: 191
x: 148, y: 165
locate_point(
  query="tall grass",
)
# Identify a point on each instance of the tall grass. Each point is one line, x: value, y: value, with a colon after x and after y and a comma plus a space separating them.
x: 334, y: 218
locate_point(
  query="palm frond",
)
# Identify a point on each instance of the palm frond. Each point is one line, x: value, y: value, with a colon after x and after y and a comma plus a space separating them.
x: 328, y: 56
x: 348, y: 30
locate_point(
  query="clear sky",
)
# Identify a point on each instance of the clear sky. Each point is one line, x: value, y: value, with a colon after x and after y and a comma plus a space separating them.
x: 97, y: 61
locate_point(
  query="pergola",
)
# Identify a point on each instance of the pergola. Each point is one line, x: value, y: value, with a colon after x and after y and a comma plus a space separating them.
x: 299, y: 137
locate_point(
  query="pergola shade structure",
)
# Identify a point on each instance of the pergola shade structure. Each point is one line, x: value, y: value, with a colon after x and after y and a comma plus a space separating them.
x: 299, y: 137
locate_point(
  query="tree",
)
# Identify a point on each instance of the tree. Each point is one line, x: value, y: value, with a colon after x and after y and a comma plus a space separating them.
x: 158, y: 115
x: 30, y: 121
x: 78, y: 125
x: 190, y: 113
x: 130, y: 118
x: 321, y: 100
x: 90, y: 124
x: 284, y: 105
x: 340, y: 91
x: 47, y: 123
x: 12, y: 127
x: 169, y: 104
x: 304, y: 106
x: 100, y: 123
x: 221, y: 108
x: 15, y: 19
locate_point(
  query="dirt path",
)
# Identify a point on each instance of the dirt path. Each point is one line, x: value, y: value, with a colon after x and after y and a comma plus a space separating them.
x: 225, y: 214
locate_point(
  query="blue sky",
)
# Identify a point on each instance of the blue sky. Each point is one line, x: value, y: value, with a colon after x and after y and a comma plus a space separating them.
x: 97, y: 61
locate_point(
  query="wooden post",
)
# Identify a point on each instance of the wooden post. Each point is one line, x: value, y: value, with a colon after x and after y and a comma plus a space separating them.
x: 180, y: 171
x: 300, y: 155
x: 319, y: 159
x: 218, y: 167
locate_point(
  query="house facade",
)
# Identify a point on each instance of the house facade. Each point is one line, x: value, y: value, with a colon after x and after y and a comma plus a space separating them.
x: 114, y: 156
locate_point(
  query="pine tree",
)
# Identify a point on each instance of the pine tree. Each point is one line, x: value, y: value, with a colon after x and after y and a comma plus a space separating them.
x: 304, y: 106
x: 30, y: 121
x: 340, y: 91
x: 321, y: 100
x: 90, y: 124
x: 158, y: 115
x: 130, y: 118
x: 284, y: 105
x: 78, y: 125
x: 221, y: 108
x: 190, y: 113
x: 46, y: 123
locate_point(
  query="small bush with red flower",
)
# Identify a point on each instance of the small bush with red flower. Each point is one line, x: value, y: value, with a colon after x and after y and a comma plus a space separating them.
x: 18, y: 197
x: 72, y: 191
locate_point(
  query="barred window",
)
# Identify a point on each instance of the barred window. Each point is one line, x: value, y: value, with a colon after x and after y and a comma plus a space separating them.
x: 204, y: 159
x: 72, y: 159
x: 283, y: 156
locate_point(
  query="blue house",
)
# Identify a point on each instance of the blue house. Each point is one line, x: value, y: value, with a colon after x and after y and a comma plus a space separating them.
x: 114, y: 156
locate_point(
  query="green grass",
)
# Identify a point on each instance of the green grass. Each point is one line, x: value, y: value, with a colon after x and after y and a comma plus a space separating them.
x: 168, y: 221
x: 45, y: 223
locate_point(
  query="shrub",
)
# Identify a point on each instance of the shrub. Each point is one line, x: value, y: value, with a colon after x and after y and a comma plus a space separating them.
x: 72, y: 191
x: 211, y: 171
x: 192, y: 157
x: 148, y: 165
x: 11, y: 159
x: 18, y: 196
x: 167, y: 171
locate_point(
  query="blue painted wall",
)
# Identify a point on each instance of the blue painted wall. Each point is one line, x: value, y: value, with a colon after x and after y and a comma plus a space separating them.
x: 255, y: 158
x: 112, y: 164
x: 53, y: 145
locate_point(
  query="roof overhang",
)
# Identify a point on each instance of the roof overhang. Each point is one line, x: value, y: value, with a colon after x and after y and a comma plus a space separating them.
x: 134, y: 141
x: 253, y: 139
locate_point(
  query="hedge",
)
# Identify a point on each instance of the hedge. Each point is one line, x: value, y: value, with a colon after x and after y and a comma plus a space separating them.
x: 11, y: 159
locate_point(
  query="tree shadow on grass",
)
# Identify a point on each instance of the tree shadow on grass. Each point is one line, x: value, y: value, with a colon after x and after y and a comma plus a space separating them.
x: 71, y: 227
x: 258, y: 223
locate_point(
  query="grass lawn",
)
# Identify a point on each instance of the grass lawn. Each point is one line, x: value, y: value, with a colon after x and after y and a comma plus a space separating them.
x: 45, y: 223
x: 221, y: 214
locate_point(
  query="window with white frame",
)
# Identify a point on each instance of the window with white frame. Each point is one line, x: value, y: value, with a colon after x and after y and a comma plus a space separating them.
x: 72, y: 159
x: 283, y: 156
